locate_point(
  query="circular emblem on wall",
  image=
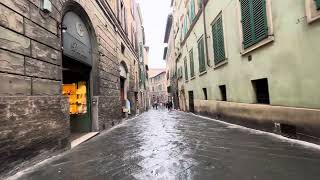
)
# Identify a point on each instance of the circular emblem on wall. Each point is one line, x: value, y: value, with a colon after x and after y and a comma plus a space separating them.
x: 80, y: 29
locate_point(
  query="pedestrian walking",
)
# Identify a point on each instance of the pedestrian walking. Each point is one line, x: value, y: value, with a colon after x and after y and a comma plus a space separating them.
x: 170, y: 105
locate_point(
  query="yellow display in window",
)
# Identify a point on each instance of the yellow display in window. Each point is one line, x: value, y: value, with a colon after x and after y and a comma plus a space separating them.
x: 77, y: 93
x: 69, y: 89
x: 82, y: 97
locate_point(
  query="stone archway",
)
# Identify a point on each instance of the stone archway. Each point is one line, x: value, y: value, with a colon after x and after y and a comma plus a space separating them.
x: 73, y: 6
x: 79, y: 67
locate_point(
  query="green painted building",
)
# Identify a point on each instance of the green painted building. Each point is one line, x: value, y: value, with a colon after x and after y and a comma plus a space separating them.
x: 251, y: 62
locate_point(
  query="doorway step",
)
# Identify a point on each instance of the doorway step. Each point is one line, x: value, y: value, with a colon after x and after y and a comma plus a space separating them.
x: 78, y: 138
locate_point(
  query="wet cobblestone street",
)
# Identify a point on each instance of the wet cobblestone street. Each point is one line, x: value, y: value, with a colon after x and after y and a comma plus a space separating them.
x: 177, y: 145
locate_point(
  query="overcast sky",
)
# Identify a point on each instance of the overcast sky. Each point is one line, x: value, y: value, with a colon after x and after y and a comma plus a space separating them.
x: 154, y: 13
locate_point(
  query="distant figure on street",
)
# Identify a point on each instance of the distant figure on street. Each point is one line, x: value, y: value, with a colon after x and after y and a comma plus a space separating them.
x: 155, y: 105
x: 170, y: 105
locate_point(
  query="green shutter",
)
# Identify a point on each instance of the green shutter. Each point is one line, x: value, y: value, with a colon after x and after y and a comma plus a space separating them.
x: 218, y: 41
x: 191, y: 63
x: 192, y: 13
x: 318, y: 4
x: 202, y: 63
x: 200, y: 4
x: 186, y: 25
x: 254, y: 21
x: 186, y: 69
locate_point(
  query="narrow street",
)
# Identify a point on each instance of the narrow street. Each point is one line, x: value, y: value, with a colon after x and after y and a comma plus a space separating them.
x: 176, y: 145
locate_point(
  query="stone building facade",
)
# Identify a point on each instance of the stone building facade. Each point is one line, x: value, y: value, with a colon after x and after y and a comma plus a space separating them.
x: 77, y: 47
x: 258, y: 69
x: 158, y: 88
x: 171, y: 65
x: 143, y: 60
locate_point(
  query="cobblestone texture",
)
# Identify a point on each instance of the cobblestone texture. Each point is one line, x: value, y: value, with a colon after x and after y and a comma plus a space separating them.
x: 176, y: 145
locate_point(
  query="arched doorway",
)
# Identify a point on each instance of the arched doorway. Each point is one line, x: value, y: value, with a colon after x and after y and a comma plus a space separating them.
x: 77, y: 66
x: 124, y: 87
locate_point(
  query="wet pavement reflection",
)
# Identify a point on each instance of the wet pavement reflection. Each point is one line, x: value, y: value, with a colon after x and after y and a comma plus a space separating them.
x: 176, y: 145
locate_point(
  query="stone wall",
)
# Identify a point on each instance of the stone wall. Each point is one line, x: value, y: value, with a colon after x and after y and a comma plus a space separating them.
x: 30, y: 56
x: 264, y: 117
x: 109, y: 115
x: 31, y: 126
x: 34, y: 116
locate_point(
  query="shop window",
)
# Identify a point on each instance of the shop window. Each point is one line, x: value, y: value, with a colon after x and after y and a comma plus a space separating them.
x: 223, y: 92
x: 77, y: 94
x: 261, y: 89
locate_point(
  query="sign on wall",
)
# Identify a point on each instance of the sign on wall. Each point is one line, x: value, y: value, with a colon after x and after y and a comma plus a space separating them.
x: 76, y: 39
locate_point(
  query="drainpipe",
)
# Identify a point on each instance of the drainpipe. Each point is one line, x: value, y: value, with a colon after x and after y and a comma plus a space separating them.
x: 204, y: 2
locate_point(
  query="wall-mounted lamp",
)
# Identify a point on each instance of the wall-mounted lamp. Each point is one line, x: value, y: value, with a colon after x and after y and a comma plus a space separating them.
x: 63, y: 28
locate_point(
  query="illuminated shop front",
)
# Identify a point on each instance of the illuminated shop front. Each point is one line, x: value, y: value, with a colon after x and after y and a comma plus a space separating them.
x: 77, y: 63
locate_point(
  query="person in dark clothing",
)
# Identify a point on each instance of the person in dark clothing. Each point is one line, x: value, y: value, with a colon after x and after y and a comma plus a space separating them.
x: 170, y: 105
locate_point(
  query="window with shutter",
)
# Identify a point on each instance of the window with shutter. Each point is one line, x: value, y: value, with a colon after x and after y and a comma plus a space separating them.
x: 192, y: 10
x: 185, y: 26
x: 200, y: 4
x: 218, y: 41
x: 191, y: 63
x: 202, y: 63
x: 254, y: 21
x: 125, y: 21
x: 186, y: 69
x: 317, y: 4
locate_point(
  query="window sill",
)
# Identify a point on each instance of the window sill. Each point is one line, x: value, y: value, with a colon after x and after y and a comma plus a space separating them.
x: 311, y: 11
x: 220, y: 64
x: 312, y: 19
x: 192, y: 78
x: 203, y: 73
x: 258, y: 45
x: 186, y: 81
